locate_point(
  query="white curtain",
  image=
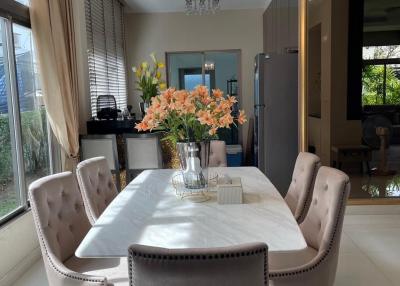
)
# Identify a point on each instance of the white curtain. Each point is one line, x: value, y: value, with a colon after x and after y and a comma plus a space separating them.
x: 53, y: 30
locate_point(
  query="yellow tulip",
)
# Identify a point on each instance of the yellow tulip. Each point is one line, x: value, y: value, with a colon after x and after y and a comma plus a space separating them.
x: 158, y: 75
x: 145, y: 65
x: 160, y: 65
x: 163, y: 86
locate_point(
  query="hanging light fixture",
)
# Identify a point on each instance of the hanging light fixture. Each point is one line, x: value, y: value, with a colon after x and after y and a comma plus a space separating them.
x: 209, y: 66
x: 202, y: 7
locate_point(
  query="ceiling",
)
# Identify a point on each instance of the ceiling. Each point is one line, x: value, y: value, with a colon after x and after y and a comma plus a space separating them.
x: 166, y: 6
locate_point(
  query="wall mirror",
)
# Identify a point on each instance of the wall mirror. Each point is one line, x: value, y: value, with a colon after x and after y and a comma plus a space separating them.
x: 215, y: 69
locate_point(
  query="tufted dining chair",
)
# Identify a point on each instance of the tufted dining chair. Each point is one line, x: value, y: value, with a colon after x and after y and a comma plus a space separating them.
x: 96, y: 185
x: 217, y: 154
x: 61, y: 224
x: 142, y: 152
x: 106, y: 146
x: 229, y: 266
x: 316, y: 265
x: 300, y: 189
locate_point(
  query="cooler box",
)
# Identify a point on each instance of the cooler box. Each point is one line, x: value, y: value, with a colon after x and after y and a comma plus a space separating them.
x: 234, y: 155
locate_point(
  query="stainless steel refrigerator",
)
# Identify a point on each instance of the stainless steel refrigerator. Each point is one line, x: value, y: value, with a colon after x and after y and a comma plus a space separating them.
x: 276, y: 116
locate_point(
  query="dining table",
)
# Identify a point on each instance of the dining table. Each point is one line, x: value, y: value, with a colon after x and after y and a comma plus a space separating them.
x: 149, y: 212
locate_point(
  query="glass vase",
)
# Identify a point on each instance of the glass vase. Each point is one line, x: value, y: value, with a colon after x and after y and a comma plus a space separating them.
x: 194, y: 159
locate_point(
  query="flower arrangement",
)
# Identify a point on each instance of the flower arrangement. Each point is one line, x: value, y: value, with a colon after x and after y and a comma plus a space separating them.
x: 190, y: 116
x: 148, y: 78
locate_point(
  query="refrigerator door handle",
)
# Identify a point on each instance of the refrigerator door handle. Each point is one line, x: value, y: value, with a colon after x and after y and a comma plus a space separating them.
x: 259, y: 105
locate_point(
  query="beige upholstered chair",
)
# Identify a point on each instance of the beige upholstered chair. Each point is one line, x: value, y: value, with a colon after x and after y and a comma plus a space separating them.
x: 102, y: 146
x: 233, y: 266
x: 96, y: 185
x: 316, y: 265
x: 300, y: 190
x: 61, y: 224
x: 217, y: 154
x: 142, y: 152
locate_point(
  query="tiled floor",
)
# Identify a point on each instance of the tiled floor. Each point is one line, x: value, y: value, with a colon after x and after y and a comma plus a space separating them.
x: 369, y: 254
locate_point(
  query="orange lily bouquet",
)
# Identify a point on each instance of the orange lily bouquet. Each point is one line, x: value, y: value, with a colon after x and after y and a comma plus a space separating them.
x: 190, y: 115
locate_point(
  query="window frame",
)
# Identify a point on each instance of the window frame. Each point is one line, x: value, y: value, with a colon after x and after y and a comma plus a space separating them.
x: 16, y: 13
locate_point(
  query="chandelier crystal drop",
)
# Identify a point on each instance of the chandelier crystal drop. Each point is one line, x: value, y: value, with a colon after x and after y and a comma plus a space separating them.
x: 202, y: 7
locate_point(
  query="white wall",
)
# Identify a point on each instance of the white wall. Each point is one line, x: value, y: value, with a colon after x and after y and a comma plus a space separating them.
x: 170, y: 32
x: 19, y: 248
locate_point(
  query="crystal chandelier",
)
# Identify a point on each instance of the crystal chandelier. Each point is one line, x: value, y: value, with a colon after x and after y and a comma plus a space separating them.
x: 202, y: 7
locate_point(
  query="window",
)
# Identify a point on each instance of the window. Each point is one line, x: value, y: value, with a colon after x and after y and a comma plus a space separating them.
x: 105, y: 39
x: 381, y: 75
x: 24, y: 147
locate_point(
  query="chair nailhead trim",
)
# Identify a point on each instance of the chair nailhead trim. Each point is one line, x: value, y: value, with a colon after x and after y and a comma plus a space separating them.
x: 326, y: 253
x: 263, y: 251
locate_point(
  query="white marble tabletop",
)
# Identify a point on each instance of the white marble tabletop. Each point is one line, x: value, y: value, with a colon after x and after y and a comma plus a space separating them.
x: 148, y: 212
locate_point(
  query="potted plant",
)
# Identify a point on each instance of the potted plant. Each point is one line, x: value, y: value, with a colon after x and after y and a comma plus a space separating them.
x: 149, y: 81
x: 191, y: 119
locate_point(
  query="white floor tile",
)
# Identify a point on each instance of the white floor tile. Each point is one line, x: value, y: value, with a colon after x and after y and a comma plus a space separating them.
x: 348, y: 246
x: 358, y: 270
x: 375, y: 239
x: 388, y: 263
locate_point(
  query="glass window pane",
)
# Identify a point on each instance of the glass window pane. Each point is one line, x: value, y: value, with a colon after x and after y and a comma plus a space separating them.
x: 9, y: 190
x: 393, y: 84
x: 32, y: 111
x: 25, y: 2
x: 372, y: 79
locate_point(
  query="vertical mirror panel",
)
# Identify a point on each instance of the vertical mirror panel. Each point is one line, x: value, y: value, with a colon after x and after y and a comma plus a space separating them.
x: 185, y: 70
x: 215, y: 69
x: 32, y: 112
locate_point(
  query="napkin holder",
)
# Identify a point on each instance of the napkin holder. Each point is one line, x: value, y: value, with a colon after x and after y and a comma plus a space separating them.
x: 230, y: 192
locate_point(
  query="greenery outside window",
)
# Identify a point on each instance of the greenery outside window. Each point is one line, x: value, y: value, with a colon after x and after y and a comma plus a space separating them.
x: 381, y: 75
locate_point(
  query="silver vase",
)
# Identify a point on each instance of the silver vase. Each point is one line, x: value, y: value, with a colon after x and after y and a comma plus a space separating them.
x: 194, y: 159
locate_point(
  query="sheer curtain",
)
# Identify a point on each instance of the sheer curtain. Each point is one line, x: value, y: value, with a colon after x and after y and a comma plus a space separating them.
x: 53, y: 30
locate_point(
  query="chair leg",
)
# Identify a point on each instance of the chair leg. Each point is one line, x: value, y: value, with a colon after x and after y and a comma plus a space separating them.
x: 368, y: 168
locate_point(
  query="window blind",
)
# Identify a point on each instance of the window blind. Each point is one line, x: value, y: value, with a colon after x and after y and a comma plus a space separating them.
x: 106, y: 55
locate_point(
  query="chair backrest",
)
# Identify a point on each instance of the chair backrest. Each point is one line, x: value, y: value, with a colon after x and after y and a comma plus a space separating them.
x: 233, y: 266
x: 96, y: 185
x: 100, y: 146
x: 143, y: 151
x: 300, y: 190
x: 322, y: 227
x: 217, y: 154
x: 59, y: 214
x: 105, y: 101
